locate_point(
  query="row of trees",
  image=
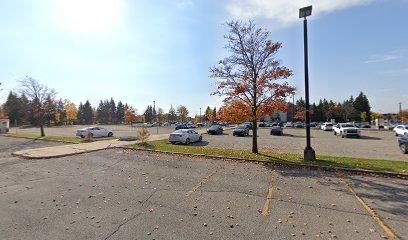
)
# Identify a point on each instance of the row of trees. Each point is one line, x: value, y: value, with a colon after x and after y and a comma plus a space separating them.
x: 357, y: 109
x: 36, y: 104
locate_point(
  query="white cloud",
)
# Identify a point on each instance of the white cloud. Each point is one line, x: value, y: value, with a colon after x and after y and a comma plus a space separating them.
x: 183, y: 3
x: 383, y: 58
x: 392, y: 55
x: 286, y: 12
x: 396, y: 72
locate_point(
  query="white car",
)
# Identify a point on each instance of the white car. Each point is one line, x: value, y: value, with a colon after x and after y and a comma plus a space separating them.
x: 148, y: 124
x: 288, y: 125
x: 327, y: 126
x: 94, y: 131
x: 346, y: 130
x: 401, y: 130
x: 185, y: 136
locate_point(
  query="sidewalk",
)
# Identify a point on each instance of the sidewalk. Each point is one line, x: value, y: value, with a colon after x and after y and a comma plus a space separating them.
x: 72, y: 149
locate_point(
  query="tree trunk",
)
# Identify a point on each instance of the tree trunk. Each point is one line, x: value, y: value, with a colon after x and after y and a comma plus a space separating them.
x: 254, y: 137
x: 42, y: 130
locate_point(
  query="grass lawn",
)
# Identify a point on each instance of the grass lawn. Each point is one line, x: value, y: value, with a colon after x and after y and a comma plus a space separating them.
x: 344, y: 162
x: 54, y: 138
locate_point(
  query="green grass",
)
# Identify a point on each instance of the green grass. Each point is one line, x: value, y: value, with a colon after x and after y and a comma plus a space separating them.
x: 331, y: 161
x: 54, y: 138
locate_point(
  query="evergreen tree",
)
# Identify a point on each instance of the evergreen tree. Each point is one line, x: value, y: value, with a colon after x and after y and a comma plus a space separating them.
x: 172, y: 114
x: 214, y: 113
x: 148, y: 114
x: 80, y: 114
x: 361, y: 104
x: 88, y: 113
x: 112, y: 112
x: 120, y: 112
x: 15, y: 109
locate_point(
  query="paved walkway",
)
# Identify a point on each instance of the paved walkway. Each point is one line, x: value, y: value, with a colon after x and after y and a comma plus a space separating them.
x: 72, y: 149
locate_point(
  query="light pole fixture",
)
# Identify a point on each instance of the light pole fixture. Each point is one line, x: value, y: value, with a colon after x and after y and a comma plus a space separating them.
x: 309, y: 153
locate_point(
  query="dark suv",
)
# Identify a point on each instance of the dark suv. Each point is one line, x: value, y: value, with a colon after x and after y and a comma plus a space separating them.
x: 215, y: 129
x: 241, y: 130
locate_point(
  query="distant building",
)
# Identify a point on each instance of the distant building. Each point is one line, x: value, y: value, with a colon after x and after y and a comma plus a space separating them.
x: 277, y: 116
x: 4, y: 125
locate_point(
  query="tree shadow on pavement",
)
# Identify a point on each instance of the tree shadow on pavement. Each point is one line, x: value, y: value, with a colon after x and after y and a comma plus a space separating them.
x: 392, y: 193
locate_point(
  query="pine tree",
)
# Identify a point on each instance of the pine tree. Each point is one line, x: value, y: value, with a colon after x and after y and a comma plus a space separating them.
x: 88, y: 113
x: 120, y: 112
x: 172, y: 114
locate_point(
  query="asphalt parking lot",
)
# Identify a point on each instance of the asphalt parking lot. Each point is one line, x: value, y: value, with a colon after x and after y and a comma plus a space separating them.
x: 121, y: 194
x: 373, y: 144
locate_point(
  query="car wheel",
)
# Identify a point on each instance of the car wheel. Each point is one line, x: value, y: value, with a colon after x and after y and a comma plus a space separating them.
x: 82, y: 136
x: 404, y: 148
x: 110, y: 134
x: 200, y: 139
x: 396, y: 134
x: 358, y: 136
x: 335, y: 134
x: 342, y: 135
x: 187, y: 141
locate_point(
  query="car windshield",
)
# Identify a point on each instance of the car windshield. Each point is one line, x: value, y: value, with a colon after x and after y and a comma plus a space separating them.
x: 214, y: 127
x: 241, y: 127
x: 329, y: 124
x: 347, y: 125
x: 180, y: 131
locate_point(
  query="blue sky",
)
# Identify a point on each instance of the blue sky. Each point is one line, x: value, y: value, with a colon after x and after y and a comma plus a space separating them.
x: 143, y: 51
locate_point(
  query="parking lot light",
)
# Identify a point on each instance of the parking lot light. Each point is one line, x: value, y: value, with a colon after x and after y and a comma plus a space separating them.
x: 309, y: 153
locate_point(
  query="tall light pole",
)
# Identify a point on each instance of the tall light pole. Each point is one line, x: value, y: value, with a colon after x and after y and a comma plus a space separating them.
x: 293, y: 109
x: 155, y: 118
x: 200, y: 115
x: 309, y: 153
x: 400, y: 111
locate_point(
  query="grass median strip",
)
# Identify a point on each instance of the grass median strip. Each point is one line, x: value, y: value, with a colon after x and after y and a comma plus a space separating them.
x: 330, y: 161
x: 52, y: 138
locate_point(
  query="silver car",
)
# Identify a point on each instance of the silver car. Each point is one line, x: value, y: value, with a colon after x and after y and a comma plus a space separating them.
x: 94, y: 131
x: 185, y: 136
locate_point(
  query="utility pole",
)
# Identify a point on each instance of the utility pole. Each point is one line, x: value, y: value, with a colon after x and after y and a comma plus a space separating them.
x: 400, y: 111
x: 309, y: 153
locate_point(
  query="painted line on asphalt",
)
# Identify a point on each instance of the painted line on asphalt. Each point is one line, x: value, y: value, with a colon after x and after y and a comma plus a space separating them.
x: 372, y: 212
x: 203, y: 181
x: 265, y: 209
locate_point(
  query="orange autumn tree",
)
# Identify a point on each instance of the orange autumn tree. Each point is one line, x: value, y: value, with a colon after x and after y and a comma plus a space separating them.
x: 250, y: 78
x: 130, y: 115
x: 233, y: 112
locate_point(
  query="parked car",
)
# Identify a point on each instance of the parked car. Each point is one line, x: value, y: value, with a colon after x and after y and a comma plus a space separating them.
x: 403, y: 144
x: 94, y: 131
x: 249, y: 124
x: 263, y: 124
x: 276, y: 130
x: 313, y: 124
x: 401, y: 129
x: 191, y: 125
x: 148, y: 124
x: 181, y: 126
x: 185, y: 136
x: 346, y: 130
x: 327, y: 126
x: 215, y: 129
x: 298, y: 125
x: 241, y: 130
x: 288, y: 125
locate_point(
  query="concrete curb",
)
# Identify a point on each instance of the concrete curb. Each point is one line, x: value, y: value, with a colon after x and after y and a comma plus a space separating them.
x: 48, y: 140
x: 285, y: 164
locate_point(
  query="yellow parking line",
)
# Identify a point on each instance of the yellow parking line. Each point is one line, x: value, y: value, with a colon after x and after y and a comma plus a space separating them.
x: 376, y: 217
x: 203, y: 181
x: 265, y: 210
